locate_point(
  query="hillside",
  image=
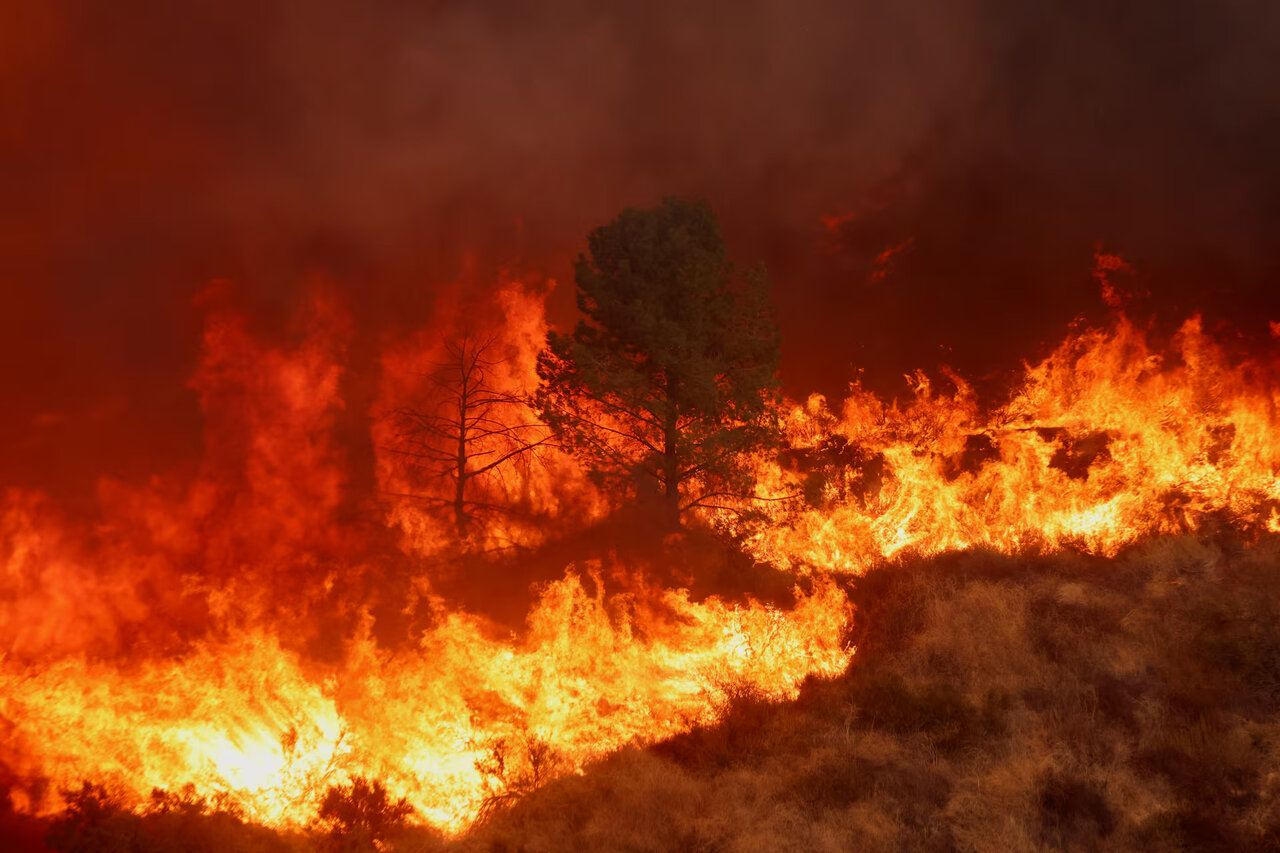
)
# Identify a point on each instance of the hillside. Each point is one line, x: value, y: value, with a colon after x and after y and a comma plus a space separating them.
x: 1034, y: 702
x: 995, y: 703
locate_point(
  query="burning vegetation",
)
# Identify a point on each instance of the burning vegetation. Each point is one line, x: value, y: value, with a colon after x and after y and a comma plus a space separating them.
x: 259, y: 654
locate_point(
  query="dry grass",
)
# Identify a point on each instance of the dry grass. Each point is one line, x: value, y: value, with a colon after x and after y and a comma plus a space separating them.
x: 996, y: 704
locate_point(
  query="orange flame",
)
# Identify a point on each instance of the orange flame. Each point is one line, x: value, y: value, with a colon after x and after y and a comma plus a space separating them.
x: 246, y: 716
x: 224, y: 632
x: 1106, y: 442
x: 231, y: 631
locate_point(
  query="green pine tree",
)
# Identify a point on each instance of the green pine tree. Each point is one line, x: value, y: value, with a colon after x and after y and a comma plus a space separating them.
x: 671, y: 375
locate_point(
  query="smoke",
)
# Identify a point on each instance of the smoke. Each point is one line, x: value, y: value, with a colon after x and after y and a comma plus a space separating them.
x: 394, y: 148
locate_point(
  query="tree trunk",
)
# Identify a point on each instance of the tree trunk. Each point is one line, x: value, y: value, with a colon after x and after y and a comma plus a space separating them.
x: 460, y: 519
x: 671, y: 468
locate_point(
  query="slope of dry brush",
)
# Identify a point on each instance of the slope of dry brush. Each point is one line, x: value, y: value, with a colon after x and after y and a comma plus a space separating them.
x: 995, y: 703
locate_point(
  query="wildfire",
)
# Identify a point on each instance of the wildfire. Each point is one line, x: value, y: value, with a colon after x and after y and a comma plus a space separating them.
x: 230, y: 631
x: 1107, y: 441
x: 224, y: 633
x: 247, y: 717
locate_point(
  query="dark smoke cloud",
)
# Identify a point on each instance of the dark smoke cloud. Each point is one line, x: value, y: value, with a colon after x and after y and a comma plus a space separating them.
x: 391, y: 147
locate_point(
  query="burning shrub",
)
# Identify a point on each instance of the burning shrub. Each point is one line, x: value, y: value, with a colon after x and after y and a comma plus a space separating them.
x: 748, y: 722
x: 513, y: 767
x: 94, y: 821
x: 97, y: 820
x: 361, y: 816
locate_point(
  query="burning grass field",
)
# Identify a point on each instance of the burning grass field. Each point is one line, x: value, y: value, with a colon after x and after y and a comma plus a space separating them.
x: 996, y: 702
x: 1047, y: 624
x: 553, y: 426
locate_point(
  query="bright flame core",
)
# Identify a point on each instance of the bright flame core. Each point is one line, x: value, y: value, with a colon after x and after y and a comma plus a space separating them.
x: 247, y: 717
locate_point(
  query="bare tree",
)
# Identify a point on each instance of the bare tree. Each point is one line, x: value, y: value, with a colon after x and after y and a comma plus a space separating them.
x: 469, y: 434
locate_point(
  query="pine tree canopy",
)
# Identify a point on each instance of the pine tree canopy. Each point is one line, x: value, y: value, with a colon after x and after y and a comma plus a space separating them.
x: 669, y: 377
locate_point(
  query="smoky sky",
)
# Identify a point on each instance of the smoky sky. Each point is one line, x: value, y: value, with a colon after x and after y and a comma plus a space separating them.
x: 390, y: 148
